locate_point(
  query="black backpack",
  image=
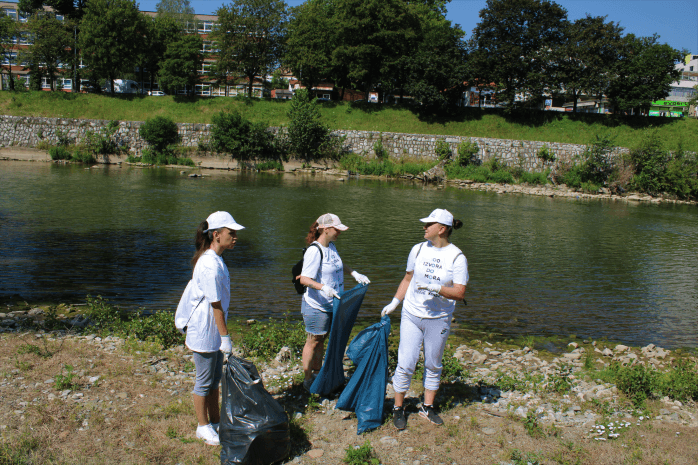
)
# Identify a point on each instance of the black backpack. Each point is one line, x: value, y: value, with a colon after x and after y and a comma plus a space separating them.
x: 298, y: 267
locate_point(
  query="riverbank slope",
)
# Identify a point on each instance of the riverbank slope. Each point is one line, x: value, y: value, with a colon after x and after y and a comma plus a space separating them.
x: 473, y: 122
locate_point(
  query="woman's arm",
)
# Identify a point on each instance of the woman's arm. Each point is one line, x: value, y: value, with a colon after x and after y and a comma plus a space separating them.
x: 457, y: 292
x: 404, y: 284
x: 309, y: 282
x: 219, y: 317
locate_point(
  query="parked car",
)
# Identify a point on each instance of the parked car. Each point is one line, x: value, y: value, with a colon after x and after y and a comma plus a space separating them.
x: 156, y: 93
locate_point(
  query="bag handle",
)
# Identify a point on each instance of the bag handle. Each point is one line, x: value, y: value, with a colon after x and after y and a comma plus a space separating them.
x: 192, y: 314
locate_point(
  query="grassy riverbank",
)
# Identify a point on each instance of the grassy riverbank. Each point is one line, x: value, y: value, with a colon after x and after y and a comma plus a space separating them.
x: 541, y: 126
x: 79, y: 393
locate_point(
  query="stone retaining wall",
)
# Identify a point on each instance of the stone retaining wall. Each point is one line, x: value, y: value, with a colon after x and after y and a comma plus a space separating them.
x: 22, y: 131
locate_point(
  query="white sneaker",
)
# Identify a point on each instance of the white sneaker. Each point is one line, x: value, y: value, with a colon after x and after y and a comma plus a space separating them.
x: 208, y: 434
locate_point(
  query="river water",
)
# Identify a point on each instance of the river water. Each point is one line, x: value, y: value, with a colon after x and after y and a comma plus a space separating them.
x: 538, y: 266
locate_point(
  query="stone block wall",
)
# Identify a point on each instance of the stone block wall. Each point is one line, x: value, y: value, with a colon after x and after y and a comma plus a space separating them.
x: 20, y: 131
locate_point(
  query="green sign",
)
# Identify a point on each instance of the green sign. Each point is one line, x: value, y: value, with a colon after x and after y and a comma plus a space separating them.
x: 670, y: 103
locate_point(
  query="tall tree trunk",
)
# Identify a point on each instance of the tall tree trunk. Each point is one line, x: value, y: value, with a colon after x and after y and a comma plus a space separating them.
x: 574, y: 96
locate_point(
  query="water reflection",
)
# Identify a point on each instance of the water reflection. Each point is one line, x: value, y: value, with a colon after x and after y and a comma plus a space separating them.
x: 537, y: 265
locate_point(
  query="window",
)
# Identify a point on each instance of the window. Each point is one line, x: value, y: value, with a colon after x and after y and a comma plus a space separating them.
x: 59, y: 17
x: 65, y: 83
x: 11, y: 13
x: 26, y: 38
x: 202, y: 89
x: 23, y: 17
x: 45, y: 83
x: 205, y: 27
x: 11, y: 60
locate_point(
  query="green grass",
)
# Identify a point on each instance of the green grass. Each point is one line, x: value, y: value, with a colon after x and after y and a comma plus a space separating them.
x: 474, y: 122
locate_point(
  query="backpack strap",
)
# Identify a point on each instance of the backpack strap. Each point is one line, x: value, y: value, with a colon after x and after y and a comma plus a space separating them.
x: 322, y: 257
x: 192, y: 314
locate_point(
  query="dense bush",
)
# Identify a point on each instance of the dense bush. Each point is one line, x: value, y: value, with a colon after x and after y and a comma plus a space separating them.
x: 657, y: 170
x: 269, y: 165
x: 159, y: 132
x: 593, y: 169
x: 443, y: 150
x: 491, y: 171
x: 244, y: 140
x: 308, y: 137
x: 467, y: 154
x: 59, y: 153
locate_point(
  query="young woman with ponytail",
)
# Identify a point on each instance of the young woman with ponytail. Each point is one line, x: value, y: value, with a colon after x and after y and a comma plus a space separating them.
x: 208, y: 298
x: 437, y: 273
x: 323, y: 275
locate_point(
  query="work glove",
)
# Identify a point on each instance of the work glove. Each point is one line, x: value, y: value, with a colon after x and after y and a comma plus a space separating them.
x: 360, y: 278
x: 390, y: 307
x: 328, y: 292
x: 226, y: 345
x: 436, y: 288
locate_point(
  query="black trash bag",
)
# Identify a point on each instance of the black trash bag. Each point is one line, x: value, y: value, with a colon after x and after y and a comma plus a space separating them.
x: 254, y: 428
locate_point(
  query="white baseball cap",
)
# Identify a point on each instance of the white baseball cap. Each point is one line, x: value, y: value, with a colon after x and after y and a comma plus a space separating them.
x: 222, y: 220
x: 328, y: 220
x: 439, y: 216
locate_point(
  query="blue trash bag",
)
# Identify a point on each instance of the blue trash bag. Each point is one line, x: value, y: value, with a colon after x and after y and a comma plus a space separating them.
x: 344, y: 311
x: 254, y: 428
x: 365, y: 391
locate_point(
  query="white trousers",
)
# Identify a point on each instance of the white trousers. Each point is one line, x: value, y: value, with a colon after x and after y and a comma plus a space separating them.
x: 415, y: 332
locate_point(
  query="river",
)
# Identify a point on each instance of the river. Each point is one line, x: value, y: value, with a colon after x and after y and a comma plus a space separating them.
x: 538, y: 265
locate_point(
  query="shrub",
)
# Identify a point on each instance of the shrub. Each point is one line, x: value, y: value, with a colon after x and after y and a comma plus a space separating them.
x: 63, y: 139
x: 546, y: 155
x: 59, y: 153
x: 244, y: 140
x: 81, y: 156
x: 467, y: 154
x: 379, y: 150
x: 269, y: 165
x: 357, y: 164
x: 535, y: 178
x: 658, y: 170
x: 159, y: 132
x: 681, y: 382
x: 638, y: 381
x: 307, y: 136
x: 443, y: 150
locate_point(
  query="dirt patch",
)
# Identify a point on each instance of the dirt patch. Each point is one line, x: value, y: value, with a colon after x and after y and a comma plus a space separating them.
x: 84, y: 399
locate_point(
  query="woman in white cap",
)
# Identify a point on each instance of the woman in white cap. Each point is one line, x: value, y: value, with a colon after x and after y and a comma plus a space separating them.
x: 437, y: 273
x: 323, y: 275
x: 207, y: 336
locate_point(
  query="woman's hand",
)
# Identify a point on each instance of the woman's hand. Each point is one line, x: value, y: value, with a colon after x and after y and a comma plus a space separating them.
x: 328, y: 292
x: 390, y: 307
x: 226, y: 345
x: 436, y: 288
x: 360, y: 278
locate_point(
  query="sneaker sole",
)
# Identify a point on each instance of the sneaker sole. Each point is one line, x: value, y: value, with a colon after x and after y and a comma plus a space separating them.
x: 209, y: 443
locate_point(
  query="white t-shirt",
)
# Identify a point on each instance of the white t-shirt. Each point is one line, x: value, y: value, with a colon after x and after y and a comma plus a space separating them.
x: 210, y: 283
x: 445, y: 266
x: 331, y: 273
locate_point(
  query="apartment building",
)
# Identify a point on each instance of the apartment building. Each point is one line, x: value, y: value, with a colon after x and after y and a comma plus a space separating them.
x: 676, y: 104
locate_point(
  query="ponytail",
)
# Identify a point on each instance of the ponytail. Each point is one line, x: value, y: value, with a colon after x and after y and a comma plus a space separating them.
x: 313, y: 233
x: 202, y: 242
x: 457, y: 224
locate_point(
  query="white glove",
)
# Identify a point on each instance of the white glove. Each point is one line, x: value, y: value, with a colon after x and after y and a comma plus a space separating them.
x: 328, y: 292
x: 226, y: 345
x: 436, y: 288
x: 390, y: 307
x: 361, y: 279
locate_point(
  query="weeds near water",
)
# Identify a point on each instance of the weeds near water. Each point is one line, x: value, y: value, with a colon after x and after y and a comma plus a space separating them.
x: 267, y: 340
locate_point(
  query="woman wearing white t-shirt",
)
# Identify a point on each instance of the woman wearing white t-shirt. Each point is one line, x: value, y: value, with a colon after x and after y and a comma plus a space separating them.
x: 207, y: 336
x: 323, y: 275
x: 437, y: 273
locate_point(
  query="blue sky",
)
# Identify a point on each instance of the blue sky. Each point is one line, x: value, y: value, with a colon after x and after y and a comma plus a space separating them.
x: 676, y: 21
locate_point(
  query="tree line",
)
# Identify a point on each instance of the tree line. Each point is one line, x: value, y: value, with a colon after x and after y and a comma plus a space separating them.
x: 521, y: 51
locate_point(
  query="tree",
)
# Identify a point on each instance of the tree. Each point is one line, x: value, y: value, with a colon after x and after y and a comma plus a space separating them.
x: 162, y: 31
x: 306, y: 133
x: 113, y: 34
x: 515, y: 42
x: 436, y: 68
x: 178, y: 10
x: 181, y: 64
x: 643, y: 73
x: 586, y: 60
x: 53, y: 46
x: 310, y: 40
x: 249, y: 38
x: 10, y: 31
x: 70, y: 9
x: 159, y: 132
x: 372, y: 38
